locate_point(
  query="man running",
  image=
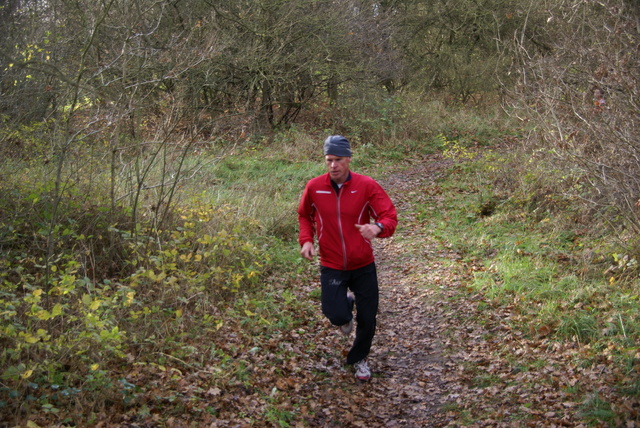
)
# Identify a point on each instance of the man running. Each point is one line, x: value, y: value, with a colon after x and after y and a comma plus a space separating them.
x: 338, y: 207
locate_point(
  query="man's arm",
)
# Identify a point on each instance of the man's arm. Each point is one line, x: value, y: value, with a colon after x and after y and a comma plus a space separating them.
x: 384, y: 212
x: 307, y: 226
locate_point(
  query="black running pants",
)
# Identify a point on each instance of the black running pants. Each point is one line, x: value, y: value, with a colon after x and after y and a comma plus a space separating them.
x: 364, y: 284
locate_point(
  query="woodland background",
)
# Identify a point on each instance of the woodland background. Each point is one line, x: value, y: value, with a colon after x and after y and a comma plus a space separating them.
x: 152, y: 153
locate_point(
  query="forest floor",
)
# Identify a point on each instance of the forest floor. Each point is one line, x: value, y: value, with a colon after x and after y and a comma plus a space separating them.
x: 444, y: 354
x: 427, y: 335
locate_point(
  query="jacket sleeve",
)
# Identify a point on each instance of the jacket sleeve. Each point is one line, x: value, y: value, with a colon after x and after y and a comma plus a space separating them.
x: 383, y: 210
x: 306, y: 220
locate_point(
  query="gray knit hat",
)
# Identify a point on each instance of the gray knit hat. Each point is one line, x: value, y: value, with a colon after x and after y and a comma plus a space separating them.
x: 337, y: 145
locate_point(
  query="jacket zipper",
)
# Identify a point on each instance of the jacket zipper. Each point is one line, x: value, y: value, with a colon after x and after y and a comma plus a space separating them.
x: 344, y: 245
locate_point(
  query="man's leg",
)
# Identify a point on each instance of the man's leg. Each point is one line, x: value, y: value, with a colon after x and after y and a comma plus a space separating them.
x: 335, y: 305
x: 364, y: 283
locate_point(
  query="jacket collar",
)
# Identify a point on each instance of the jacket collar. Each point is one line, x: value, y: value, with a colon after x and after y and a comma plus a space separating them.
x: 335, y: 185
x: 330, y: 181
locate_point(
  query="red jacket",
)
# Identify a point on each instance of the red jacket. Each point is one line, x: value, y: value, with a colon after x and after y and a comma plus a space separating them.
x: 333, y: 218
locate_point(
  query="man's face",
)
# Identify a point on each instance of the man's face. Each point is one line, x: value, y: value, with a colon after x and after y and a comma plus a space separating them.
x: 338, y: 167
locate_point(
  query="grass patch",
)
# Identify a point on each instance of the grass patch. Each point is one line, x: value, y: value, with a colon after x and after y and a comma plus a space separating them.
x: 595, y: 410
x: 520, y: 257
x: 557, y: 278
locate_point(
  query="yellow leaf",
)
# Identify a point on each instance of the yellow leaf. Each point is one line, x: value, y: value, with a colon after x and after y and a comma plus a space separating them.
x: 265, y: 321
x: 57, y: 310
x: 95, y: 305
x: 178, y: 313
x: 43, y: 335
x: 43, y: 315
x: 249, y: 313
x: 86, y: 299
x: 27, y: 374
x: 31, y: 424
x: 130, y: 296
x: 30, y: 339
x: 37, y: 292
x: 94, y: 367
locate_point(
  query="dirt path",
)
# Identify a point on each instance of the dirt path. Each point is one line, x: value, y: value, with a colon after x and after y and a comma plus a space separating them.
x: 410, y: 385
x: 443, y: 355
x: 407, y: 355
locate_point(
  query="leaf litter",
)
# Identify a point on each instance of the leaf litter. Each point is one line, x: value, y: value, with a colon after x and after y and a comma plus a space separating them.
x: 443, y: 355
x: 439, y: 357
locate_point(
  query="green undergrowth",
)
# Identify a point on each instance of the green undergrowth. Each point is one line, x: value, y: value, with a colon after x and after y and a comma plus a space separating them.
x: 562, y: 276
x: 152, y: 314
x: 94, y: 308
x: 110, y: 308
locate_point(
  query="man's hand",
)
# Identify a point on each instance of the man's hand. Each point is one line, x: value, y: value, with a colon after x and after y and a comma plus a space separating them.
x: 307, y: 251
x: 368, y: 231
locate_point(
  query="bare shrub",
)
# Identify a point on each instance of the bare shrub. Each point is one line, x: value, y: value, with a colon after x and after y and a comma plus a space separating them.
x: 594, y: 48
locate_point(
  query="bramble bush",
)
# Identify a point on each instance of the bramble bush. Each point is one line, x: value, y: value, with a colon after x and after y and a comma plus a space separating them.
x: 63, y: 335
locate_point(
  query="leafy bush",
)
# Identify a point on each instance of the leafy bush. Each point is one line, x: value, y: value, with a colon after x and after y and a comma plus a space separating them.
x: 24, y: 142
x: 62, y: 329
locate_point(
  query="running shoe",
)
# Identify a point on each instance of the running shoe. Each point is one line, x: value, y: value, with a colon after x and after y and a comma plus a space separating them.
x: 362, y: 370
x: 346, y: 328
